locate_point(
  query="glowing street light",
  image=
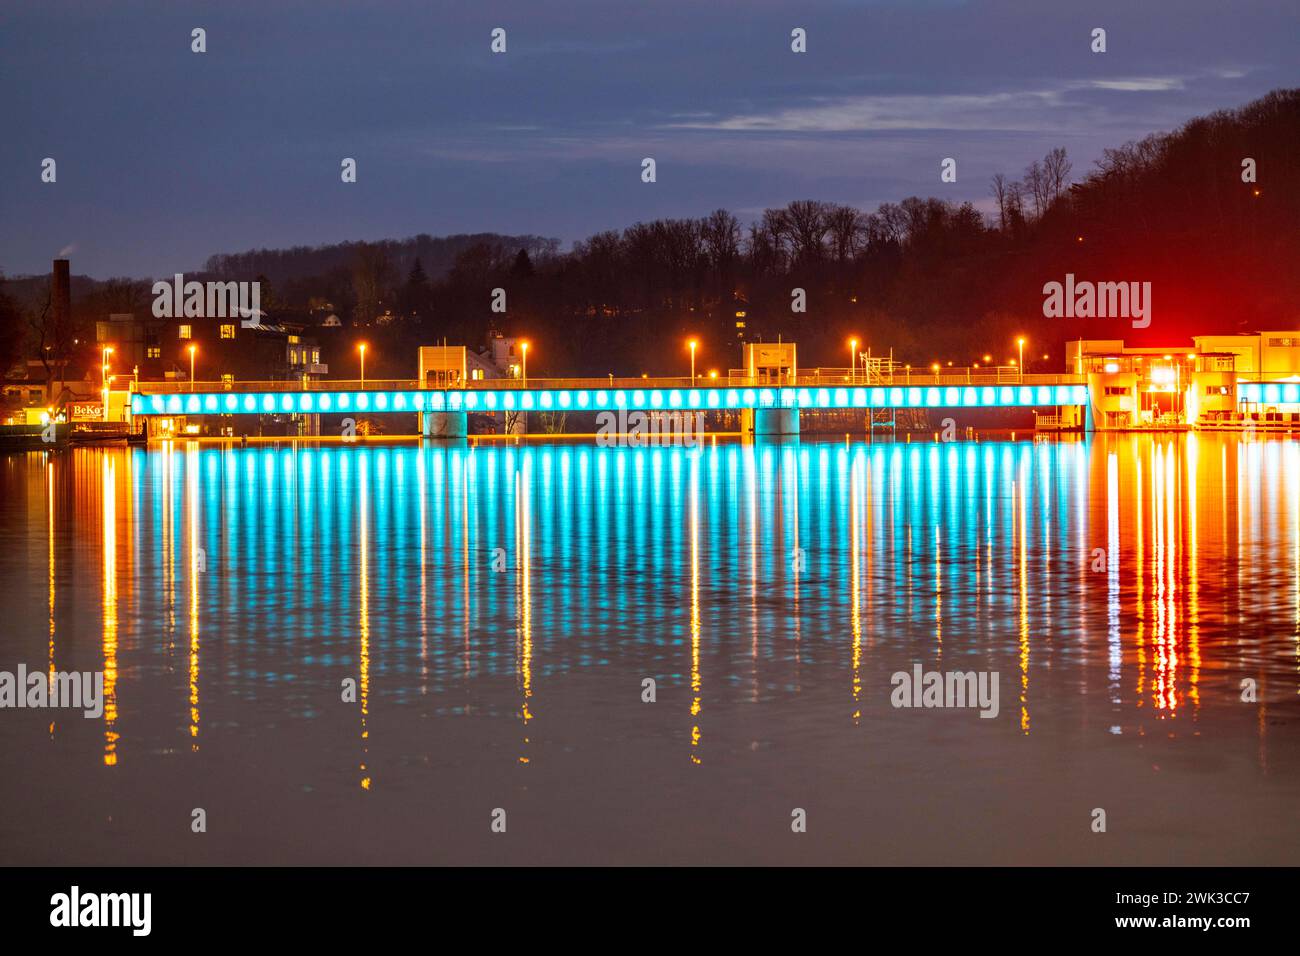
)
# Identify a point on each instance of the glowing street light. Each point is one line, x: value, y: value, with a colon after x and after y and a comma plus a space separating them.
x: 853, y: 359
x: 193, y: 348
x: 362, y: 349
x: 523, y: 347
x: 935, y: 367
x: 1020, y: 344
x: 693, y: 344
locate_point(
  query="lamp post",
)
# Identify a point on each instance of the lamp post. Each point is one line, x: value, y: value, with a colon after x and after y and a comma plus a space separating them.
x: 692, y: 343
x: 103, y: 374
x: 1020, y: 344
x: 853, y: 360
x: 362, y: 348
x: 523, y: 347
x: 192, y: 350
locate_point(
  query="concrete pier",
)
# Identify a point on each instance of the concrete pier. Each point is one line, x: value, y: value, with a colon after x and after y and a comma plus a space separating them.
x: 444, y: 424
x: 772, y: 422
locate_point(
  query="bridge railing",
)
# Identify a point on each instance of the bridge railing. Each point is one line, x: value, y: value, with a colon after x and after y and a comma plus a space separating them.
x: 902, y: 377
x: 807, y: 377
x: 280, y: 385
x: 503, y: 384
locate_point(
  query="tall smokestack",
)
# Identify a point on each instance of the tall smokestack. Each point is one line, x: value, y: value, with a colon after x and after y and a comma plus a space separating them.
x: 61, y: 294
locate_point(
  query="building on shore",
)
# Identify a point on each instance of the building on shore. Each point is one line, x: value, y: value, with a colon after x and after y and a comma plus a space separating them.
x: 1221, y: 381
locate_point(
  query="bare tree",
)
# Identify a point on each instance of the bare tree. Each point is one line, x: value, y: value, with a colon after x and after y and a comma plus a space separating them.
x: 720, y: 234
x: 1056, y: 173
x: 776, y: 227
x: 1015, y: 205
x: 1036, y: 184
x: 808, y: 227
x: 372, y: 274
x: 999, y: 183
x: 848, y: 231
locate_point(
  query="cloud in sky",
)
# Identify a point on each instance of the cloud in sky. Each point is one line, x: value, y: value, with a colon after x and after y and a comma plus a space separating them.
x: 167, y: 156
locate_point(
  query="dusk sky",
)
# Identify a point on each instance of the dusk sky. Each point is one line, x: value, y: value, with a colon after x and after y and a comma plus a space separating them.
x: 166, y: 156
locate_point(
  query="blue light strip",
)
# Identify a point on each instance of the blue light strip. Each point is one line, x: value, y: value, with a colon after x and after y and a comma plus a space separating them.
x: 595, y: 400
x: 1268, y: 393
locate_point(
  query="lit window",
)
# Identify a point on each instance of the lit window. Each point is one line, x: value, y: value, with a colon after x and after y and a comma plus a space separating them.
x: 185, y: 332
x: 315, y: 356
x: 293, y: 356
x: 293, y: 340
x: 154, y: 352
x: 227, y: 331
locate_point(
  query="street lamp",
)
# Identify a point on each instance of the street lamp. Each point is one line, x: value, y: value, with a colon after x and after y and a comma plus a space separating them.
x: 935, y: 367
x: 192, y: 350
x: 523, y: 347
x: 692, y: 343
x: 362, y: 349
x: 853, y: 359
x: 103, y: 372
x: 1020, y: 344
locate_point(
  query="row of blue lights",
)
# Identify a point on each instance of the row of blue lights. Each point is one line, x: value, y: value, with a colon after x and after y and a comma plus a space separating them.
x: 702, y: 399
x: 1269, y: 393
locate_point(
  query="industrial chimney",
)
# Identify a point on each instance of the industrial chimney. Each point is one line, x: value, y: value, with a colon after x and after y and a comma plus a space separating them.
x: 60, y: 295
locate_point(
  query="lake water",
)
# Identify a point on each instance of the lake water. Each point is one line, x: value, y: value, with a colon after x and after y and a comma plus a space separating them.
x: 500, y: 608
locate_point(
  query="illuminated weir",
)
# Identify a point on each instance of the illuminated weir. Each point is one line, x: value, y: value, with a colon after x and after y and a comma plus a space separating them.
x: 769, y: 394
x: 376, y: 399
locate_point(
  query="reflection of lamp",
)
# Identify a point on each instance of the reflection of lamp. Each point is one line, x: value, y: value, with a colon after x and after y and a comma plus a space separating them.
x: 103, y: 371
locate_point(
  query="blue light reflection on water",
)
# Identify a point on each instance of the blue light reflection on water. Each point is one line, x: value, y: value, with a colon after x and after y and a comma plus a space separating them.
x: 1121, y: 587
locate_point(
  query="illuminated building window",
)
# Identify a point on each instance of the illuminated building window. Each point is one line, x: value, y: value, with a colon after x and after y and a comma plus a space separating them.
x: 153, y: 352
x: 185, y: 332
x: 227, y: 331
x: 293, y: 340
x: 293, y: 356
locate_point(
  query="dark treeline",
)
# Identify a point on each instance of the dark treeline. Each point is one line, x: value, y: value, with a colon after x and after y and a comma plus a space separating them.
x: 935, y: 280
